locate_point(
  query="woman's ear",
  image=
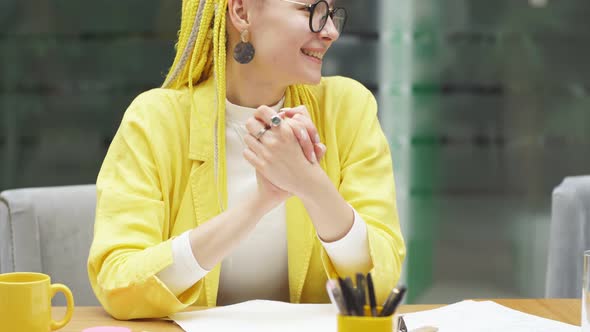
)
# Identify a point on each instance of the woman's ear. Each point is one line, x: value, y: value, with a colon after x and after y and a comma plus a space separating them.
x: 238, y: 14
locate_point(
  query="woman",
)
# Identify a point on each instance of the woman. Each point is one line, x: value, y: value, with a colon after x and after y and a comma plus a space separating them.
x: 206, y: 197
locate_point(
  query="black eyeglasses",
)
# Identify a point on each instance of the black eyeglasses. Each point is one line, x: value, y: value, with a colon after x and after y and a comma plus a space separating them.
x: 318, y: 15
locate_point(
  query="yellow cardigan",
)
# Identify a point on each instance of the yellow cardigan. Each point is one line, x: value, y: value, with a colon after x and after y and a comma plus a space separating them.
x: 158, y: 181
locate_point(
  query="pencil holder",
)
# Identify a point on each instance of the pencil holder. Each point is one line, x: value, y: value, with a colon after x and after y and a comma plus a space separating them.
x: 365, y: 323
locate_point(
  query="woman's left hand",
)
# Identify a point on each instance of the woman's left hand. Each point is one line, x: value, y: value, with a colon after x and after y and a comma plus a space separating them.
x: 277, y: 154
x: 305, y: 131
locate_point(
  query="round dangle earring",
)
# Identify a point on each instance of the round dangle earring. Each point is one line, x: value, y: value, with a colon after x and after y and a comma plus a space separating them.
x: 244, y: 50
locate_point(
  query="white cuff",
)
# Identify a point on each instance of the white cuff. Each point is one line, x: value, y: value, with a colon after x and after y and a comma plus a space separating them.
x: 350, y: 254
x: 185, y: 271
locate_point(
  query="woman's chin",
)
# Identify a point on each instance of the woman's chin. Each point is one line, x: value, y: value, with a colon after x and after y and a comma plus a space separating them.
x: 312, y: 79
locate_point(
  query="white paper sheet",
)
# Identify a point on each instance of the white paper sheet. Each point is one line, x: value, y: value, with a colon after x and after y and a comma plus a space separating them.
x: 263, y: 316
x: 260, y: 316
x: 485, y: 316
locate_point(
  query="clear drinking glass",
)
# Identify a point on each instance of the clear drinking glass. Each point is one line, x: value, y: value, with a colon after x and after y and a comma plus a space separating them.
x: 586, y: 293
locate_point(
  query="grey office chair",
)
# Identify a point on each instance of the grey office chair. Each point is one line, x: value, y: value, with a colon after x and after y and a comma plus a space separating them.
x: 49, y: 230
x: 569, y: 237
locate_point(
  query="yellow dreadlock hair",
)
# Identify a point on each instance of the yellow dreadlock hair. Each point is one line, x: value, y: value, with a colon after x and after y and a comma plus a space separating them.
x: 202, y: 26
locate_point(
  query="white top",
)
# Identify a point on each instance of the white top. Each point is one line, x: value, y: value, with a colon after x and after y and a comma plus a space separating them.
x: 257, y: 268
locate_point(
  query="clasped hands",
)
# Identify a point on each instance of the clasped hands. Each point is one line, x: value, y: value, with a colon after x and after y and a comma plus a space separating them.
x: 285, y: 155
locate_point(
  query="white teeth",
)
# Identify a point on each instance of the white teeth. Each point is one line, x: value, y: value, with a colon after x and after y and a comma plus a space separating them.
x: 317, y: 55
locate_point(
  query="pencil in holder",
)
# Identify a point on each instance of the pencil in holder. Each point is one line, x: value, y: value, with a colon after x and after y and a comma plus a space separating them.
x: 365, y: 323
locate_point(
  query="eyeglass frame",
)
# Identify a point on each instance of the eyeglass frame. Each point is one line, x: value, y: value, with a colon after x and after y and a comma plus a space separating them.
x: 311, y: 8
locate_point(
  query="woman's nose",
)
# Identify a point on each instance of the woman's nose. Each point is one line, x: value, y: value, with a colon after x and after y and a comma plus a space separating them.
x: 329, y: 31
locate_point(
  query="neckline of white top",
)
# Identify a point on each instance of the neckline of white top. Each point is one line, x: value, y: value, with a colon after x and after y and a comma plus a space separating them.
x: 237, y: 114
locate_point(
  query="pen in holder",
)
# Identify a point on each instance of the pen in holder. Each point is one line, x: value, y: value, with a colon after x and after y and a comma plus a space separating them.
x: 357, y: 306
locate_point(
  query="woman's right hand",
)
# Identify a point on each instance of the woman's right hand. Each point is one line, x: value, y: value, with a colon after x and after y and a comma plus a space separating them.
x: 308, y: 138
x: 269, y: 193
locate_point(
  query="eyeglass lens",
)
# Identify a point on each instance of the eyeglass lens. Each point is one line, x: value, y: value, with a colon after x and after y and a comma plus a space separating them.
x: 320, y: 16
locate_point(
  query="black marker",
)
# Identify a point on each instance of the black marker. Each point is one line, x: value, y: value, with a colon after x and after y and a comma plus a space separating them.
x: 352, y: 297
x: 372, y: 300
x: 346, y: 295
x: 360, y: 288
x: 398, y: 294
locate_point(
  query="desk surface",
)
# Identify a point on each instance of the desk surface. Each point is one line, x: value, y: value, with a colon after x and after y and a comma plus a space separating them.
x: 565, y: 310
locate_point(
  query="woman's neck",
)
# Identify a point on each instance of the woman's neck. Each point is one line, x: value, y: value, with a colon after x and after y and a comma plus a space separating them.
x: 249, y: 88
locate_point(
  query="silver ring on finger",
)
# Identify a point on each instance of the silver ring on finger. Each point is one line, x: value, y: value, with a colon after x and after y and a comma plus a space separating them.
x: 275, y: 121
x: 260, y: 133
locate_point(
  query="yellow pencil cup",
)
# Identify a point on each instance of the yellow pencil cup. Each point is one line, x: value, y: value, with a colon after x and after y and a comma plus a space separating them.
x: 25, y: 302
x: 366, y: 323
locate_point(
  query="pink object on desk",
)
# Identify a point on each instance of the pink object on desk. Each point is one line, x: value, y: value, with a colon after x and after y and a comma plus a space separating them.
x: 107, y: 329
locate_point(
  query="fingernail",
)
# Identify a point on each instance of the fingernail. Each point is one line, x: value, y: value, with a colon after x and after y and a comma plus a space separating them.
x: 314, y: 158
x: 316, y: 138
x: 284, y: 109
x: 303, y: 134
x: 323, y: 147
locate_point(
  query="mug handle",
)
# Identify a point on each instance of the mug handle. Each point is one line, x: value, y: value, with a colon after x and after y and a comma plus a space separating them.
x: 70, y: 302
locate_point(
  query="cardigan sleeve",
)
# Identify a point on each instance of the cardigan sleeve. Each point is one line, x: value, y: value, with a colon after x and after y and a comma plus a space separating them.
x: 131, y: 244
x: 367, y: 184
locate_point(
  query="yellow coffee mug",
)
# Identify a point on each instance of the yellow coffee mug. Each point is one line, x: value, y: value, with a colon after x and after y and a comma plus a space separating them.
x: 25, y: 302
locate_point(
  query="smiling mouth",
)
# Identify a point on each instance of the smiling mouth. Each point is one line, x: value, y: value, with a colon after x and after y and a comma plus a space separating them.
x: 313, y: 54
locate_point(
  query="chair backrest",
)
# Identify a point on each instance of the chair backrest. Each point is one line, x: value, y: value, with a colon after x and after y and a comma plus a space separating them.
x: 49, y: 230
x: 5, y: 239
x: 569, y: 237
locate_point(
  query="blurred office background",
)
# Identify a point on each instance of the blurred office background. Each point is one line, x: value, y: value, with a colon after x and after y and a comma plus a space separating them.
x: 485, y: 105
